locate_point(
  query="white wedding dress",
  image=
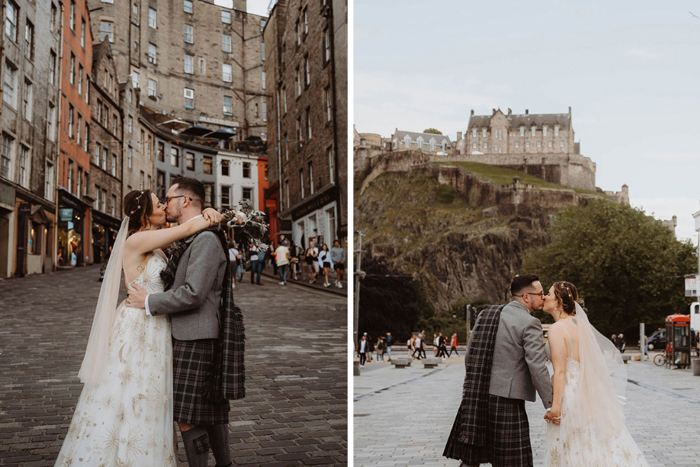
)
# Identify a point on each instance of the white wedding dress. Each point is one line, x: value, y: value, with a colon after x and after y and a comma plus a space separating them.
x: 127, y: 420
x: 575, y: 442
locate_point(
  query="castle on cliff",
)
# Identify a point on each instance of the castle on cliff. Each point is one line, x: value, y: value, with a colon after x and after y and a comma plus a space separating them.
x: 538, y: 144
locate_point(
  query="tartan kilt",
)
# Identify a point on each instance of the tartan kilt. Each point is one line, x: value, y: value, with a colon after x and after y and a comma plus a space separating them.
x: 507, y: 437
x: 192, y: 367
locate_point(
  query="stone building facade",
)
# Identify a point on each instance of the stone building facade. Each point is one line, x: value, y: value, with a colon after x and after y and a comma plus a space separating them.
x: 105, y: 146
x: 29, y: 164
x: 430, y: 143
x: 216, y: 73
x: 539, y: 144
x: 74, y: 175
x: 307, y: 76
x: 238, y: 178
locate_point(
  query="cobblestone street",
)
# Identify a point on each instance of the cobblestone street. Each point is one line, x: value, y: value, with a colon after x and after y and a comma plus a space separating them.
x: 404, y: 416
x: 295, y: 412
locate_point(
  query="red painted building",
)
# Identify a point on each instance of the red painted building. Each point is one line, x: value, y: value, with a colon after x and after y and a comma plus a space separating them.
x: 74, y: 197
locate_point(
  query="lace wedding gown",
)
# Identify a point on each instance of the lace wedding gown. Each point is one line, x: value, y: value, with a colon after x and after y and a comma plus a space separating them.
x: 575, y: 443
x: 127, y: 420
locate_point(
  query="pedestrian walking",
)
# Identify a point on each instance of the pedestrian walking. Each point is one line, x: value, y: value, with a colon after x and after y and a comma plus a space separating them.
x: 453, y: 345
x: 370, y: 348
x: 282, y: 259
x: 435, y: 344
x: 312, y: 261
x: 363, y: 351
x: 380, y: 348
x: 256, y: 259
x: 621, y: 344
x: 418, y: 346
x: 410, y: 345
x: 442, y: 348
x: 233, y: 262
x: 338, y: 260
x: 389, y: 340
x: 325, y: 262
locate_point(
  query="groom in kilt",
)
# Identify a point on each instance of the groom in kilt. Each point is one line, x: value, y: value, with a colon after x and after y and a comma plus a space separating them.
x: 505, y: 365
x: 208, y: 335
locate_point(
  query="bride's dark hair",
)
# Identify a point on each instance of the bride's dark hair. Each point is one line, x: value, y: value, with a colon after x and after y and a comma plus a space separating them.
x: 138, y: 205
x: 567, y: 295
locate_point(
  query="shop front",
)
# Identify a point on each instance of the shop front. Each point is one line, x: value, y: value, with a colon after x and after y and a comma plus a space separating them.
x: 72, y: 214
x: 104, y: 232
x: 317, y: 219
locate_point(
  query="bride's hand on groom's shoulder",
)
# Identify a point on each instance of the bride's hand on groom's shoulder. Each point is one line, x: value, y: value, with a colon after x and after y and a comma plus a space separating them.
x: 212, y: 215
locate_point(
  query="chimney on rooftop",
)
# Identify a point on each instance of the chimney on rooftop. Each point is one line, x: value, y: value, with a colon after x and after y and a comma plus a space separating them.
x: 459, y: 136
x: 509, y: 111
x: 527, y: 111
x: 472, y: 112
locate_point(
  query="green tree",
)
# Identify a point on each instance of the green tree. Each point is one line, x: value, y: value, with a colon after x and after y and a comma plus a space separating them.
x: 433, y: 131
x: 626, y: 265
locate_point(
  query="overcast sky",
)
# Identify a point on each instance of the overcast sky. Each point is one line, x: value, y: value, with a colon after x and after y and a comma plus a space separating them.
x: 258, y: 7
x: 630, y: 70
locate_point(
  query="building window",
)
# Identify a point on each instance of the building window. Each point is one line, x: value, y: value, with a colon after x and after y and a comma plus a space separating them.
x: 326, y: 45
x: 224, y: 168
x: 226, y: 17
x: 82, y: 33
x: 107, y: 31
x: 27, y: 100
x: 307, y: 71
x: 311, y: 178
x: 544, y: 130
x: 188, y: 6
x: 49, y: 190
x: 142, y: 180
x: 152, y: 52
x: 298, y: 128
x: 228, y: 105
x: 71, y: 16
x: 301, y: 183
x: 207, y: 163
x: 298, y: 30
x: 103, y: 161
x: 113, y: 207
x: 474, y: 132
x: 152, y: 88
x: 264, y: 111
x: 174, y: 157
x: 561, y: 144
x: 51, y: 123
x: 98, y: 148
x: 556, y: 130
x: 306, y: 21
x: 550, y: 143
x: 29, y: 40
x: 129, y: 124
x: 72, y: 69
x: 262, y: 51
x: 54, y: 18
x: 246, y: 170
x: 114, y: 165
x: 262, y: 25
x: 331, y: 165
x: 80, y: 79
x: 24, y: 159
x: 527, y: 144
x: 517, y: 144
x: 189, y: 161
x: 225, y: 196
x: 227, y: 72
x: 284, y: 99
x: 202, y: 67
x: 207, y: 194
x: 499, y: 135
x: 6, y: 156
x: 152, y: 18
x: 226, y: 43
x: 189, y: 98
x: 52, y: 67
x: 297, y: 81
x: 189, y: 64
x: 533, y: 128
x: 308, y: 123
x: 129, y: 157
x: 189, y: 34
x: 103, y: 200
x: 539, y: 144
x: 96, y: 202
x: 135, y: 79
x: 264, y: 81
x: 486, y: 145
x: 71, y: 165
x: 329, y: 107
x: 247, y: 194
x: 77, y: 130
x: 161, y: 151
x: 473, y: 145
x: 71, y: 120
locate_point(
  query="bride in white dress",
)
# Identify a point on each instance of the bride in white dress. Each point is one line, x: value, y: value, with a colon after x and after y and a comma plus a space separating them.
x: 588, y: 424
x: 124, y: 416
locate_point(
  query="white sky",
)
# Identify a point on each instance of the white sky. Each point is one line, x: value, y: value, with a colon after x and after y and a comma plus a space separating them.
x: 258, y: 7
x: 628, y: 68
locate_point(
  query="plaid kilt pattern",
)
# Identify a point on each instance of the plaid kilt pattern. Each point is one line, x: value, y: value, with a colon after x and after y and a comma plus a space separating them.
x: 192, y: 367
x: 507, y: 437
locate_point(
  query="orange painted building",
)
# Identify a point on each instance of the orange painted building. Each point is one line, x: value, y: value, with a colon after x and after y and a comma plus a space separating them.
x: 74, y: 194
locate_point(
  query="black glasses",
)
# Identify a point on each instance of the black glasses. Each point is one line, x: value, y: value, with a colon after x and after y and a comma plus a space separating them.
x: 168, y: 198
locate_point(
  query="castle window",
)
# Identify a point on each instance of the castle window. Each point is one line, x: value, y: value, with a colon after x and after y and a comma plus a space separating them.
x: 474, y: 133
x: 499, y: 135
x: 550, y: 143
x: 544, y: 130
x: 473, y: 145
x: 517, y: 144
x: 534, y: 128
x: 539, y: 144
x: 561, y: 144
x: 527, y: 144
x: 556, y: 130
x: 483, y: 132
x: 486, y: 145
x: 522, y: 131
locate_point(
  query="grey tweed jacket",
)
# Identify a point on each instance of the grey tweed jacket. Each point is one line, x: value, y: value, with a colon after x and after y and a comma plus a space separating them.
x: 519, y: 357
x: 193, y: 301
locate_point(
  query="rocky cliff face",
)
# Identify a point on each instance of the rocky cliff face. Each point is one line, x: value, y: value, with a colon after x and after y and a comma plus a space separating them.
x: 458, y: 250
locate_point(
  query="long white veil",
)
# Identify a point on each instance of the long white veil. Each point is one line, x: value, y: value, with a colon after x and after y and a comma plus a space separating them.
x: 91, y: 370
x: 603, y: 381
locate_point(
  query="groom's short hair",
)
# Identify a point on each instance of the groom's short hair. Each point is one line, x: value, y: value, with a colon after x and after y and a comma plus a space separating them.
x: 521, y: 282
x: 193, y: 187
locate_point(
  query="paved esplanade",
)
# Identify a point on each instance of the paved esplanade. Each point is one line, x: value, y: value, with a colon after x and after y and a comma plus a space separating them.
x: 295, y: 412
x: 403, y: 416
